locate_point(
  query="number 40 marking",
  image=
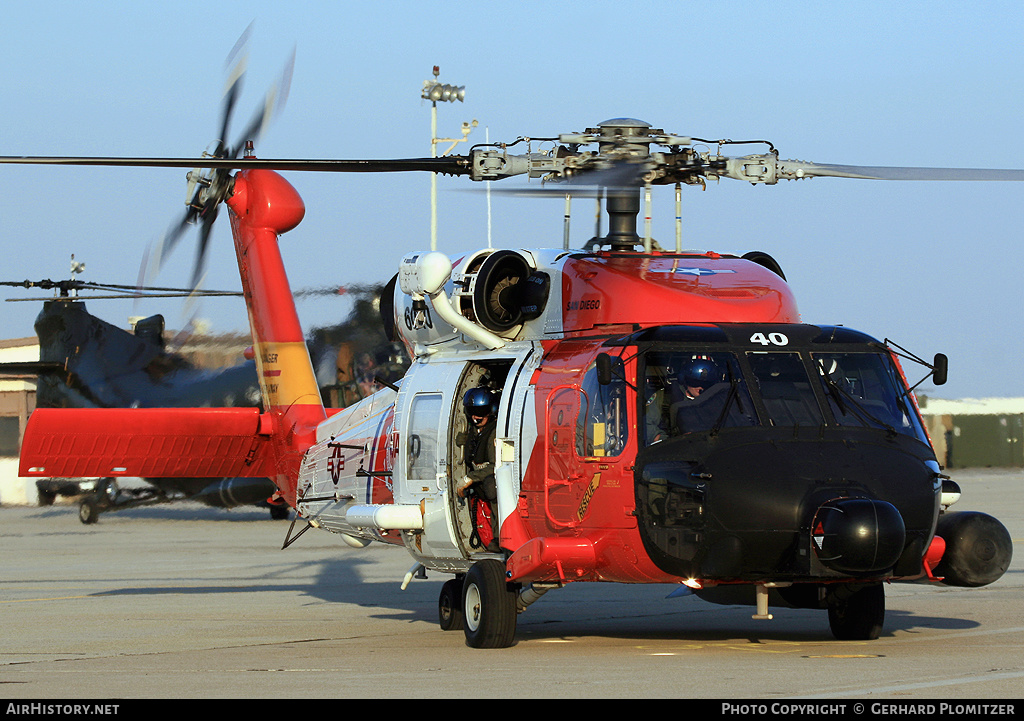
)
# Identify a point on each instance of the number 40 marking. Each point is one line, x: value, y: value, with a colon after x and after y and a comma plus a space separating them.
x: 770, y: 339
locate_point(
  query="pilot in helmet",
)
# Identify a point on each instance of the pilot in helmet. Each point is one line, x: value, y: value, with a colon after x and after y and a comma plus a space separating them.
x: 481, y: 406
x: 699, y: 374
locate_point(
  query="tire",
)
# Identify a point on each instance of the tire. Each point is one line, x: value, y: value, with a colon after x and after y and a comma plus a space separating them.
x: 449, y: 606
x: 88, y: 511
x: 856, y: 612
x: 489, y: 606
x: 107, y: 492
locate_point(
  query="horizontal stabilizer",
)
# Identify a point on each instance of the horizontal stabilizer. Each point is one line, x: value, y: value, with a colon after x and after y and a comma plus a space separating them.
x: 146, y: 443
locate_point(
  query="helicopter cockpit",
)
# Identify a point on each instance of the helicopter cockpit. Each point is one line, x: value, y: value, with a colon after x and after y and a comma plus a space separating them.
x: 696, y: 389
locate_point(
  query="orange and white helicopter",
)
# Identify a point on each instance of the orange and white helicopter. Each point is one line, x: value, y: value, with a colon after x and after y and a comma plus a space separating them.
x: 661, y: 416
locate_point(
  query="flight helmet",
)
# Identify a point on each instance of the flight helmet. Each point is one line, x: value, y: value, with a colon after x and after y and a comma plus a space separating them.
x: 700, y: 373
x: 480, y: 401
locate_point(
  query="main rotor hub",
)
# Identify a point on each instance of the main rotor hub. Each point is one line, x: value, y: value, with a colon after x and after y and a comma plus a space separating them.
x: 619, y: 131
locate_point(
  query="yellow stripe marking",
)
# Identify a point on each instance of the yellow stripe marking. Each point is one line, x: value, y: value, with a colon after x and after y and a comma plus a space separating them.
x: 286, y: 374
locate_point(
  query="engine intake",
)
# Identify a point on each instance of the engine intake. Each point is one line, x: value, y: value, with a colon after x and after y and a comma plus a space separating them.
x: 508, y: 291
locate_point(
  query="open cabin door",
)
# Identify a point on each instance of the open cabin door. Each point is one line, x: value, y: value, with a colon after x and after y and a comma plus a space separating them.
x: 493, y: 374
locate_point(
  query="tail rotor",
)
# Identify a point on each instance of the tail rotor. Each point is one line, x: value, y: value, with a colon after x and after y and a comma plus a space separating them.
x: 208, y: 187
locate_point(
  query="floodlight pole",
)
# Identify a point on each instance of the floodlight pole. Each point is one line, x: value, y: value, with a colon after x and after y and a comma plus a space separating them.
x: 433, y: 176
x: 434, y: 91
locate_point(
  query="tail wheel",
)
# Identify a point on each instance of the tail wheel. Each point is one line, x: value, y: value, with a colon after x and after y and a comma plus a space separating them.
x: 489, y: 605
x: 88, y: 511
x: 856, y: 612
x: 449, y: 606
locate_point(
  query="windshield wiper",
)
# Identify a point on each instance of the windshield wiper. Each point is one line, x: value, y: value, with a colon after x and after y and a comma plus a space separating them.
x: 862, y: 414
x: 734, y: 392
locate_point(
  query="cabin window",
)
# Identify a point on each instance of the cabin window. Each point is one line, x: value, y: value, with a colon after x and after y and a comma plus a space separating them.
x: 563, y: 411
x: 421, y: 446
x: 602, y: 428
x: 865, y: 389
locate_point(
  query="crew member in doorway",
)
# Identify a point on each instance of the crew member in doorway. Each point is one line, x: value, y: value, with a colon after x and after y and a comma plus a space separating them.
x: 481, y: 406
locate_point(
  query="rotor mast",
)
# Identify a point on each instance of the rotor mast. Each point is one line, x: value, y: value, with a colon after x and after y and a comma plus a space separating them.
x: 629, y: 138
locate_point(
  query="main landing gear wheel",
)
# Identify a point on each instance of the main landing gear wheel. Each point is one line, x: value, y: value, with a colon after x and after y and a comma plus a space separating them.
x: 449, y: 606
x: 489, y: 604
x: 856, y: 612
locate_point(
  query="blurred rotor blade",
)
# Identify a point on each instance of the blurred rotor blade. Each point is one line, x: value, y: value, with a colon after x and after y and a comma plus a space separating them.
x: 236, y: 61
x: 273, y: 104
x: 623, y: 177
x: 548, y: 190
x: 202, y: 245
x: 143, y: 272
x: 358, y: 289
x: 155, y: 255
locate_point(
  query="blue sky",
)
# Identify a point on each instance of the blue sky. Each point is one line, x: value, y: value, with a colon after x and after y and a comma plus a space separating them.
x: 935, y: 266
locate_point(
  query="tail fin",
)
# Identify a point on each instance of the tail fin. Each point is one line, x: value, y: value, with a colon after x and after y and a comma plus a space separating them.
x: 264, y: 205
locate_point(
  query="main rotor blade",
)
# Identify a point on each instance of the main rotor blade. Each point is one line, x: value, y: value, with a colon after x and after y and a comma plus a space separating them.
x: 124, y: 291
x: 30, y: 367
x: 789, y: 168
x: 449, y: 165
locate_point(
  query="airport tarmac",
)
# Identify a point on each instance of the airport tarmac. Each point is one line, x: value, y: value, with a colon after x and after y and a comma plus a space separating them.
x: 183, y: 601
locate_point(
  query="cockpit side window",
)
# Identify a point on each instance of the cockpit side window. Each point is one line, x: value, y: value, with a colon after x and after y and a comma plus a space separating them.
x: 602, y: 426
x: 686, y: 392
x: 863, y: 389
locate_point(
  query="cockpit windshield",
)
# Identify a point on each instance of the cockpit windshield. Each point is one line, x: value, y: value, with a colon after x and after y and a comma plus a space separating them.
x: 697, y: 391
x: 865, y: 389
